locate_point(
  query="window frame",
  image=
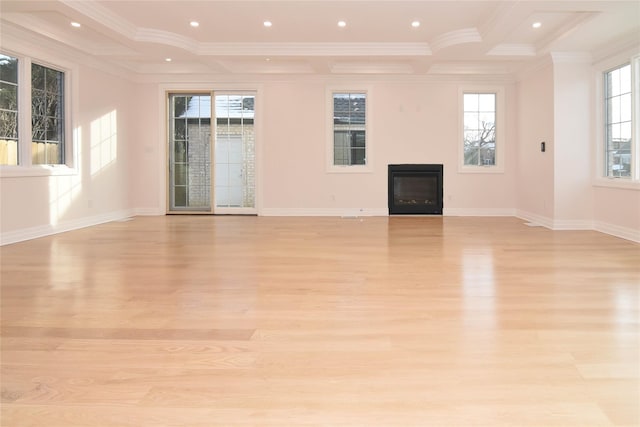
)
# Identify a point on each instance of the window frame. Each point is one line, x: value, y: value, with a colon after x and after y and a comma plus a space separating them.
x: 500, y: 130
x: 601, y: 177
x: 17, y: 109
x: 25, y: 167
x: 330, y: 129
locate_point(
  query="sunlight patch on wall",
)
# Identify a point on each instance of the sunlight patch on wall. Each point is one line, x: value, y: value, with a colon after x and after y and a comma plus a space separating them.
x: 104, y: 141
x: 63, y: 190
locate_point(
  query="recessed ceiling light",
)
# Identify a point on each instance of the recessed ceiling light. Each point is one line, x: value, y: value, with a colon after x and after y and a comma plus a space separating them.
x: 168, y: 59
x: 267, y: 24
x: 267, y: 59
x: 536, y: 24
x: 342, y: 24
x: 76, y: 24
x: 415, y: 24
x: 194, y: 24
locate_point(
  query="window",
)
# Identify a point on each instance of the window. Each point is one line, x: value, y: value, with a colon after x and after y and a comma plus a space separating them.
x: 33, y: 115
x: 618, y: 122
x: 349, y: 129
x: 479, y: 111
x: 481, y: 145
x: 8, y: 110
x: 47, y: 115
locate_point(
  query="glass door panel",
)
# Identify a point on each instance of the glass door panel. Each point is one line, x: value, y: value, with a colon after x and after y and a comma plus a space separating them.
x: 190, y: 153
x: 235, y: 157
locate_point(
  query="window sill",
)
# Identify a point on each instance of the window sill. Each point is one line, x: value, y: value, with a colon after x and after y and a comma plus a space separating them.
x: 480, y: 169
x: 349, y: 169
x: 34, y: 171
x: 622, y: 183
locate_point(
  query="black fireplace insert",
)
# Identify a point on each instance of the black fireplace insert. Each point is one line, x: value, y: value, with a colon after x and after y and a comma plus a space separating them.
x: 415, y: 189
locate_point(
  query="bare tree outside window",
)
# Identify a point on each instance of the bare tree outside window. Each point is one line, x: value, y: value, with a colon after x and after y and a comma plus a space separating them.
x: 47, y: 115
x: 479, y: 129
x: 8, y: 110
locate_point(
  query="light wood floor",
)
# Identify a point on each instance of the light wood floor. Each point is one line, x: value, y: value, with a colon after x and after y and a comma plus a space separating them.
x: 206, y: 321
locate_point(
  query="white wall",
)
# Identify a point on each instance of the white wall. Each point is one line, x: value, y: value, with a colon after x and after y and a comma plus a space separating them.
x: 146, y: 167
x: 617, y: 211
x: 535, y: 176
x: 414, y: 121
x: 573, y: 201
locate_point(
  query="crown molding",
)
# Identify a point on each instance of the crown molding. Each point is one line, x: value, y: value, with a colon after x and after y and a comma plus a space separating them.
x: 470, y: 69
x: 151, y: 35
x: 314, y: 49
x: 513, y: 49
x: 452, y: 38
x: 27, y: 42
x: 367, y: 68
x: 95, y: 11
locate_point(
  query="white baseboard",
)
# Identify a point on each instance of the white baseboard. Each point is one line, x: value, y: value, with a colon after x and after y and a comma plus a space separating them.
x: 478, y: 212
x: 350, y: 212
x: 572, y: 224
x: 376, y: 212
x: 148, y: 212
x: 555, y: 224
x: 535, y: 219
x: 16, y: 236
x: 615, y: 230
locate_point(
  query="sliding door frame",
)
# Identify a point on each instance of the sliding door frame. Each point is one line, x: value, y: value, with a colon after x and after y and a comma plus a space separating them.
x: 165, y: 90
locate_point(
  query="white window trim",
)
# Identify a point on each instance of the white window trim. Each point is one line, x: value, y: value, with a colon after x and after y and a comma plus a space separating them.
x: 500, y: 130
x: 330, y: 167
x: 72, y: 135
x: 600, y: 177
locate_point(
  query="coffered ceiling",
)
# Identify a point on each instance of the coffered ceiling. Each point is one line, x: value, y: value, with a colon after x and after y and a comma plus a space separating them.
x: 453, y: 37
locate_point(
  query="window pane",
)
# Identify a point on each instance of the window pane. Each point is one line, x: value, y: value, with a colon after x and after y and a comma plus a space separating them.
x: 625, y: 107
x: 471, y: 121
x: 614, y: 107
x: 180, y: 195
x: 8, y: 69
x: 38, y: 73
x: 8, y: 110
x: 53, y: 130
x: 487, y: 102
x: 349, y: 118
x: 47, y: 114
x: 470, y: 102
x: 53, y: 81
x: 618, y: 122
x: 479, y: 133
x: 53, y: 105
x: 8, y: 125
x: 8, y: 96
x: 180, y: 128
x: 180, y: 151
x: 486, y: 120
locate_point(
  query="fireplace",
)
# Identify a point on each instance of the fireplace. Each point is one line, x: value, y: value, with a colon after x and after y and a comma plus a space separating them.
x: 415, y: 189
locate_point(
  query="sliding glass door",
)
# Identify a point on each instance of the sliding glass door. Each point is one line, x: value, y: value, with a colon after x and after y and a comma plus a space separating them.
x: 198, y: 184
